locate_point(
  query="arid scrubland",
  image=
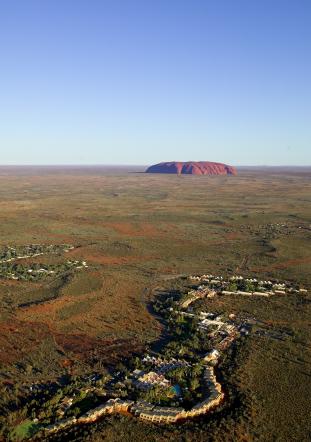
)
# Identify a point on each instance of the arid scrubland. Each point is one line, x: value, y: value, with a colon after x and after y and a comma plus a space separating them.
x: 138, y: 232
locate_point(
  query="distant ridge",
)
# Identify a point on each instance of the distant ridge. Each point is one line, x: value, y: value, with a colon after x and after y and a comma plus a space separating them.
x: 192, y: 168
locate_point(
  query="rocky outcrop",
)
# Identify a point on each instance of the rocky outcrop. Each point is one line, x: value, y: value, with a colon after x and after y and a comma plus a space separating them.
x: 192, y: 168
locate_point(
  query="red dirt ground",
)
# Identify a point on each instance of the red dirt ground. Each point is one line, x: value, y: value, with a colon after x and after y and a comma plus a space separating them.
x: 86, y: 348
x: 129, y: 229
x: 18, y: 338
x: 282, y: 265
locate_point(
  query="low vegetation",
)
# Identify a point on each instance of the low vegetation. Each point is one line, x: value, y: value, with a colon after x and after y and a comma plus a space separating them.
x: 137, y: 233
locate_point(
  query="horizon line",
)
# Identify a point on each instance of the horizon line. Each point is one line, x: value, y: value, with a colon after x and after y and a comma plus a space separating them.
x: 137, y: 165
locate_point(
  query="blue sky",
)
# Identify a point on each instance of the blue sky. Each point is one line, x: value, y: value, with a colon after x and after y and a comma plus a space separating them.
x: 139, y: 82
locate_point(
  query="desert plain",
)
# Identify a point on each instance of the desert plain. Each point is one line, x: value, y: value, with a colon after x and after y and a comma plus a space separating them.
x: 137, y: 232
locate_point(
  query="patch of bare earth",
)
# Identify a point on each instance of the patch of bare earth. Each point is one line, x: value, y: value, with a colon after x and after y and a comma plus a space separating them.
x: 131, y: 229
x: 17, y: 338
x: 91, y: 349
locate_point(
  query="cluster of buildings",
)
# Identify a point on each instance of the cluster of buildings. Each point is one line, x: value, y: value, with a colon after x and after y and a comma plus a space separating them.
x: 16, y: 274
x: 147, y: 411
x: 217, y: 284
x: 163, y: 365
x: 145, y: 381
x: 205, y: 278
x: 210, y: 320
x: 12, y: 254
x: 221, y: 332
x: 111, y: 406
x: 65, y: 405
x: 150, y: 412
x: 31, y: 251
x: 201, y: 292
x: 224, y: 331
x: 169, y: 415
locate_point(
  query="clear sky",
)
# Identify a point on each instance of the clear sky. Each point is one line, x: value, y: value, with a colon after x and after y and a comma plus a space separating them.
x: 139, y: 82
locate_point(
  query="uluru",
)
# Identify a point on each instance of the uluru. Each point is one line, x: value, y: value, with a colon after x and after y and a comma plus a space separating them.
x: 192, y: 168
